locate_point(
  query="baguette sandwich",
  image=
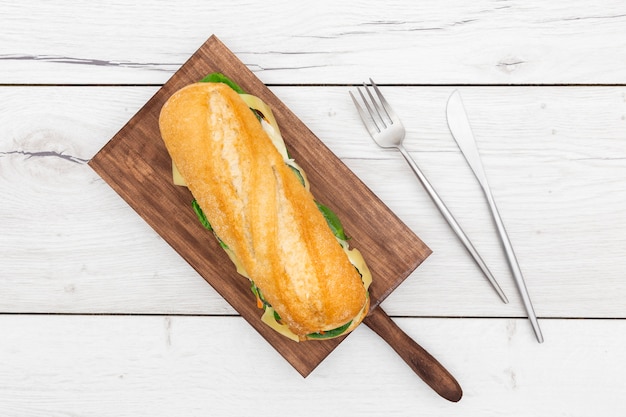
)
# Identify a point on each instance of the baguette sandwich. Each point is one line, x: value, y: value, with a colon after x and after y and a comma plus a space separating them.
x: 227, y: 149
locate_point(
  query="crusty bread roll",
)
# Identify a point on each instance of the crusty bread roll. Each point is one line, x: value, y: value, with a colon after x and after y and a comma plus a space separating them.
x: 260, y: 210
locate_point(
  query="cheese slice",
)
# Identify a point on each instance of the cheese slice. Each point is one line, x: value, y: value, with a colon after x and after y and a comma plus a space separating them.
x: 356, y: 259
x: 269, y: 319
x: 177, y: 177
x: 268, y: 122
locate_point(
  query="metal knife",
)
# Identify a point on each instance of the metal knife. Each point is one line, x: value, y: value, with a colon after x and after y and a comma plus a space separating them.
x: 462, y: 133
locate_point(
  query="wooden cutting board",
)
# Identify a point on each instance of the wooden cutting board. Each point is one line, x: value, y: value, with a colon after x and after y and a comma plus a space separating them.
x: 137, y: 166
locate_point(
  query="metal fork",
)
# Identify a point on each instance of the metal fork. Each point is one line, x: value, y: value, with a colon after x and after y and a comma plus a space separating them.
x: 385, y: 127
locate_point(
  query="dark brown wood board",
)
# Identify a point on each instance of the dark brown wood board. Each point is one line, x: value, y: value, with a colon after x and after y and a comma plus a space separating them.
x: 137, y: 166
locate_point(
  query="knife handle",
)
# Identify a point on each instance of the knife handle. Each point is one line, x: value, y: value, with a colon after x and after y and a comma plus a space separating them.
x: 454, y: 225
x: 422, y: 362
x: 514, y: 265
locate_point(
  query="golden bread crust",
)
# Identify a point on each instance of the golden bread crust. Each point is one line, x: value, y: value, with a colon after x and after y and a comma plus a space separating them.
x: 258, y: 207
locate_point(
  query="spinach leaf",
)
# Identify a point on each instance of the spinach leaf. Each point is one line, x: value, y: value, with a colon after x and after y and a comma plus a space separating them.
x: 218, y: 77
x: 205, y: 222
x: 330, y: 333
x: 298, y: 174
x: 201, y: 215
x: 333, y: 221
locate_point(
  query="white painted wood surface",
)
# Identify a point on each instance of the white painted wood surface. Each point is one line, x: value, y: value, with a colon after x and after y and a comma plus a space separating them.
x: 198, y: 366
x: 99, y: 317
x: 485, y: 41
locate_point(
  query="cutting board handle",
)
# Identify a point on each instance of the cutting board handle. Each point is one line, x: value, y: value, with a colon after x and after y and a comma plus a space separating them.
x: 422, y: 362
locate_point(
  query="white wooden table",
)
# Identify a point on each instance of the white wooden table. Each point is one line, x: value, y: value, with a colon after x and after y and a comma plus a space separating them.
x: 99, y: 316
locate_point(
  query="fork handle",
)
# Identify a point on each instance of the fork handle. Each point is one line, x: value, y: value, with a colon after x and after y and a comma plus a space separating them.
x: 452, y: 222
x: 423, y: 363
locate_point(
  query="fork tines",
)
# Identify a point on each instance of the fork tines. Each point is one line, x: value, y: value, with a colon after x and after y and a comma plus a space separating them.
x: 379, y: 114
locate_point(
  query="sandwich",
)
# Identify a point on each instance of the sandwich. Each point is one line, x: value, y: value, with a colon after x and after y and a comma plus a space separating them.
x: 226, y: 147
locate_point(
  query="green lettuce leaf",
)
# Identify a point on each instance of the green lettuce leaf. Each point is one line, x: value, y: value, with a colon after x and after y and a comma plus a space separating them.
x: 218, y: 77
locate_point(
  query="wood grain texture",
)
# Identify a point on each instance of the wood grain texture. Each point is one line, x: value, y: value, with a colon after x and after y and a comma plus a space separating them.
x: 87, y: 286
x: 483, y: 42
x: 137, y: 166
x: 554, y: 156
x: 162, y: 366
x: 419, y: 360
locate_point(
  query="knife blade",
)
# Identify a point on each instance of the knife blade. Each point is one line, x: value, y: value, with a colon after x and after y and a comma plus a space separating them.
x: 461, y: 130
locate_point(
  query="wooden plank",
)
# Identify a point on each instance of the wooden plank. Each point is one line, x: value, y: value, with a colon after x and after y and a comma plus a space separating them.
x: 555, y: 157
x: 137, y: 166
x: 196, y: 366
x: 482, y: 42
x: 557, y: 153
